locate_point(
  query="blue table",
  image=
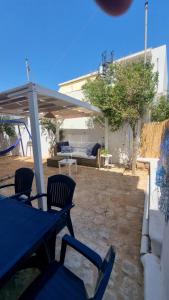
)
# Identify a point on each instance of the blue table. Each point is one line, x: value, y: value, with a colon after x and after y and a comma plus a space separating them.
x: 23, y: 230
x: 3, y: 197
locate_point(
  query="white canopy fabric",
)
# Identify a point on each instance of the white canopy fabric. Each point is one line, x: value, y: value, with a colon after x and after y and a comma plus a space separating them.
x: 32, y: 99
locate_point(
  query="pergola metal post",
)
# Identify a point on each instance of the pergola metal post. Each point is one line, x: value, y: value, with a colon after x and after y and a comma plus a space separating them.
x: 36, y: 143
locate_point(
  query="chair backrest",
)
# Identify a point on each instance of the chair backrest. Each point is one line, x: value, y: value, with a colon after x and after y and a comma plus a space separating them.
x: 23, y: 181
x: 104, y: 274
x: 60, y: 191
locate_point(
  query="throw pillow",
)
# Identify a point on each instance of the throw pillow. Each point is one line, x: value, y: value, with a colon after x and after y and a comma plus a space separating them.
x: 95, y: 149
x: 61, y: 144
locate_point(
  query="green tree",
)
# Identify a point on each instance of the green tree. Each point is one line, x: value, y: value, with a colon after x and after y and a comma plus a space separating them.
x: 123, y: 95
x: 51, y: 128
x: 160, y: 110
x: 6, y: 128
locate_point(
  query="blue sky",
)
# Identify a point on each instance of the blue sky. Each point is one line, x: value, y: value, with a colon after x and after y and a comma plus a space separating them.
x: 65, y: 39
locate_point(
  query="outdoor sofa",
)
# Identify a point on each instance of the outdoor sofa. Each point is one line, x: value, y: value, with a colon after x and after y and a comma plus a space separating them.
x: 85, y: 156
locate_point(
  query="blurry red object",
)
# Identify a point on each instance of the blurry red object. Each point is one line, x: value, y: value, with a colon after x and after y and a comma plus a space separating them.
x: 114, y: 7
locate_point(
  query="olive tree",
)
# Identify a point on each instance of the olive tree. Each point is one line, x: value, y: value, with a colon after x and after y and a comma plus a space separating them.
x: 6, y: 128
x: 51, y: 128
x: 160, y: 110
x: 123, y: 95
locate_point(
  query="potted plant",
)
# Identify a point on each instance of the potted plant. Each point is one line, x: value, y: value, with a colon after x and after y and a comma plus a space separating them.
x: 51, y: 128
x: 104, y: 152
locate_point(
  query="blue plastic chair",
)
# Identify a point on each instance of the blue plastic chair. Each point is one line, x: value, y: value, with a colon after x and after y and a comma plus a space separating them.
x: 22, y: 184
x: 60, y: 190
x: 58, y: 282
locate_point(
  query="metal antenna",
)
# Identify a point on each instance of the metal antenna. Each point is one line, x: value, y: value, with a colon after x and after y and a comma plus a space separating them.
x: 146, y: 31
x: 106, y: 61
x: 112, y: 56
x: 104, y: 57
x: 27, y: 69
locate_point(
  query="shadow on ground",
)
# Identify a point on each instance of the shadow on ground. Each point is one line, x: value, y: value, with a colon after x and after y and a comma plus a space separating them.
x: 108, y: 210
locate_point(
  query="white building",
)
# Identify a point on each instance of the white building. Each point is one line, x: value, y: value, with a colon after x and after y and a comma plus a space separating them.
x: 158, y: 57
x: 79, y: 131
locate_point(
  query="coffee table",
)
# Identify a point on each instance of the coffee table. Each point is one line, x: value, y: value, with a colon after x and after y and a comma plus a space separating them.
x: 68, y: 162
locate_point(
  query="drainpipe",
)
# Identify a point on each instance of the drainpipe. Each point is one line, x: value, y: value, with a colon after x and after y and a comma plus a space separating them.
x: 106, y: 136
x: 145, y: 240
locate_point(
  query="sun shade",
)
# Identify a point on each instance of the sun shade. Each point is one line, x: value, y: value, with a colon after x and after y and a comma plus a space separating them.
x: 16, y: 102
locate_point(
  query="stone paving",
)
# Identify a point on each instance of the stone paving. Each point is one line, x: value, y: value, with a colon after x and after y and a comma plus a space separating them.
x: 108, y: 210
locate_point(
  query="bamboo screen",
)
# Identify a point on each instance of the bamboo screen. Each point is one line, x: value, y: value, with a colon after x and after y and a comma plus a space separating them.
x: 151, y: 138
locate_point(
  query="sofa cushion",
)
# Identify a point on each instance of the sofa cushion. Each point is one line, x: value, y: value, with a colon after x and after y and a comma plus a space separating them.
x: 66, y: 149
x: 75, y: 154
x: 89, y: 151
x: 95, y: 149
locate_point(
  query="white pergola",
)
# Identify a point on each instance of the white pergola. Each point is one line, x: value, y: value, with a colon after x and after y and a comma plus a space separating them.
x: 31, y: 99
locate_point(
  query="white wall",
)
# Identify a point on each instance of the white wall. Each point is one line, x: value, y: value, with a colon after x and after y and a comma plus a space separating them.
x: 159, y: 59
x: 165, y: 261
x: 78, y: 123
x: 156, y: 262
x: 120, y: 145
x: 25, y: 139
x: 120, y: 141
x: 83, y: 137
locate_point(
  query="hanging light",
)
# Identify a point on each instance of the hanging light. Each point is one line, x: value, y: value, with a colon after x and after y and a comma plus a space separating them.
x: 49, y: 115
x: 114, y: 7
